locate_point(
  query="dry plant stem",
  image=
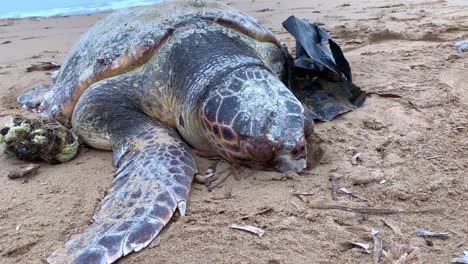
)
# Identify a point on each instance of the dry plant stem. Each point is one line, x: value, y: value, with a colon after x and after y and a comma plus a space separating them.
x: 377, y: 253
x: 349, y: 192
x: 295, y: 193
x: 251, y: 229
x: 264, y: 211
x: 392, y: 226
x: 370, y: 211
x: 434, y: 157
x: 334, y: 189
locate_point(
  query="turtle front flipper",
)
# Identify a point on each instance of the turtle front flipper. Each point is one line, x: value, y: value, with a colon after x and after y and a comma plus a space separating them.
x: 155, y: 171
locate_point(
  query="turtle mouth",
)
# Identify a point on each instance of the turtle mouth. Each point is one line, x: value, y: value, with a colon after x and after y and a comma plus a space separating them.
x: 286, y: 163
x: 259, y: 149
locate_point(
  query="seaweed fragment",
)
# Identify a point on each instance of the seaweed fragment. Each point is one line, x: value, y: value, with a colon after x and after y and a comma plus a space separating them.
x: 34, y: 140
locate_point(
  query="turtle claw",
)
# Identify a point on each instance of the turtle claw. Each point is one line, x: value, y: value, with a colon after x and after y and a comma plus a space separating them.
x: 213, y: 180
x: 37, y: 99
x: 205, y: 179
x: 182, y: 206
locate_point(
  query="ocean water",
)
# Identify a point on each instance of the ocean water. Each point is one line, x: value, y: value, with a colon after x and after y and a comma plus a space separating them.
x: 29, y: 8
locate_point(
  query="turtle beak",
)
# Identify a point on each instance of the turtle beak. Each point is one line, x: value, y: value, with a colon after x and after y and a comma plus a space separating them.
x: 286, y: 163
x: 293, y: 158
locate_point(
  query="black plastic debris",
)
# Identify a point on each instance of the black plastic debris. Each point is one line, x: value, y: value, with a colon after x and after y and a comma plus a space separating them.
x: 323, y: 78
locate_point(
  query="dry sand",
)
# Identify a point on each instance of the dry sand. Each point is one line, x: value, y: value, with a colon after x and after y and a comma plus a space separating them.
x: 414, y: 150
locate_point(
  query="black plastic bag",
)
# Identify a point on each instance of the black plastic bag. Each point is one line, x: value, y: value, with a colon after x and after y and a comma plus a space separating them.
x: 323, y: 78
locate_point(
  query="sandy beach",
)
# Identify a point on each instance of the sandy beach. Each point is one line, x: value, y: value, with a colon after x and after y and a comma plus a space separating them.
x: 414, y: 150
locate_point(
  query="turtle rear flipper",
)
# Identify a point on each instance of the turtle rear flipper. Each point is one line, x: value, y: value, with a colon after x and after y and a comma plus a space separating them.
x: 37, y: 99
x: 155, y: 171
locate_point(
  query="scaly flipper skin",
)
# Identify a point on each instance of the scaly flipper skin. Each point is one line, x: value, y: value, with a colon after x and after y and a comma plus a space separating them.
x: 142, y: 77
x: 155, y: 171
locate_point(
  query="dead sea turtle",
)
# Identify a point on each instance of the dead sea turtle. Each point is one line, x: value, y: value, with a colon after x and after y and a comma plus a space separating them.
x: 151, y: 83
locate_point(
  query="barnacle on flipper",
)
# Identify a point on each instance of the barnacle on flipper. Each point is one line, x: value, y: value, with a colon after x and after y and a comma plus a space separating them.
x: 33, y: 139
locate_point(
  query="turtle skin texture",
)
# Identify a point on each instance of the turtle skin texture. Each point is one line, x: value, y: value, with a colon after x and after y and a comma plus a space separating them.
x: 154, y: 83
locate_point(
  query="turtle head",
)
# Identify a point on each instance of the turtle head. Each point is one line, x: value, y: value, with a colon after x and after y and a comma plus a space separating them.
x: 253, y: 119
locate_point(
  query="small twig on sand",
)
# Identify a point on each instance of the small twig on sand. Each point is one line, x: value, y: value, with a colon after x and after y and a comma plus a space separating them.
x: 390, y: 95
x: 297, y: 206
x: 392, y: 226
x: 263, y: 211
x: 223, y: 198
x: 348, y: 191
x: 370, y: 211
x: 252, y: 229
x: 378, y: 243
x: 463, y: 259
x: 297, y: 193
x: 334, y: 187
x: 425, y: 233
x: 434, y: 157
